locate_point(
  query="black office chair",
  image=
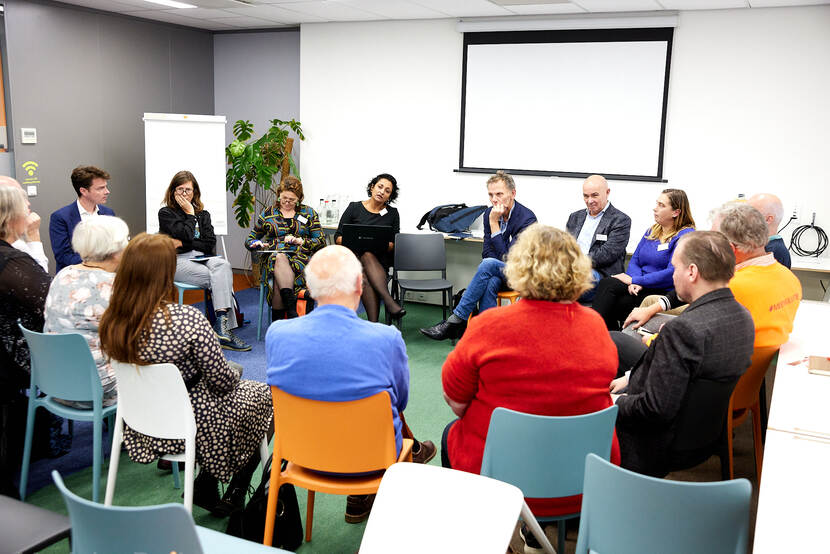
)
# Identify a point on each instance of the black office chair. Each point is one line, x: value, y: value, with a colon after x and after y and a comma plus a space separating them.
x: 421, y: 252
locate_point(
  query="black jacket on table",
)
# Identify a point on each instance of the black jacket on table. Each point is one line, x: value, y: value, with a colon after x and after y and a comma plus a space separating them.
x: 182, y: 226
x: 712, y: 340
x: 607, y: 256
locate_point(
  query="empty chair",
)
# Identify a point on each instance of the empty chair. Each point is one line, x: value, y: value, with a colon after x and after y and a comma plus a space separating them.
x: 354, y: 437
x: 544, y: 455
x: 63, y: 367
x: 460, y: 511
x: 421, y: 252
x: 29, y: 528
x: 624, y: 512
x: 162, y: 528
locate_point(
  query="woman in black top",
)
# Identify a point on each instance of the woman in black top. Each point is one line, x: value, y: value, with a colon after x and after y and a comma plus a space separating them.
x: 184, y: 218
x: 375, y: 210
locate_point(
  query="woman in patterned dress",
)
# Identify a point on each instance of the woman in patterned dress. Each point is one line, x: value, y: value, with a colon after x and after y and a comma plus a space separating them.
x: 232, y: 415
x: 80, y: 293
x: 294, y: 229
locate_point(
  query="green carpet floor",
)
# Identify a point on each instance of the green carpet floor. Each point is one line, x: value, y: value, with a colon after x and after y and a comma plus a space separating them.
x: 426, y: 414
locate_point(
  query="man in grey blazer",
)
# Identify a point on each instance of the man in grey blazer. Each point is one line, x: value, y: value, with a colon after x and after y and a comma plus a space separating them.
x: 601, y: 230
x: 712, y: 341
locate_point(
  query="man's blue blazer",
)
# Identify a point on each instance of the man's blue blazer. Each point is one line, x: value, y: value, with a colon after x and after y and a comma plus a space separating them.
x: 61, y: 224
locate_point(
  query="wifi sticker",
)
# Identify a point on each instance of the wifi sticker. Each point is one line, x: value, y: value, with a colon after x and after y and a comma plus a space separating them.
x: 30, y: 167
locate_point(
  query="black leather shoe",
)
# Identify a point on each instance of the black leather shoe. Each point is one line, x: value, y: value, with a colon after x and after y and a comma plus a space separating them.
x: 398, y: 315
x: 445, y: 330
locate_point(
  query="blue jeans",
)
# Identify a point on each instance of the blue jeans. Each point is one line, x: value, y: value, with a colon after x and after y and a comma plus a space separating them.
x: 483, y: 289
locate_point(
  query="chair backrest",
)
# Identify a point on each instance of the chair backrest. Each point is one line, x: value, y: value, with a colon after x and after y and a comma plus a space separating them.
x: 62, y: 366
x: 339, y: 437
x: 701, y: 422
x: 153, y: 400
x: 625, y: 512
x: 460, y: 511
x: 99, y: 528
x: 745, y: 394
x: 420, y: 252
x: 544, y: 455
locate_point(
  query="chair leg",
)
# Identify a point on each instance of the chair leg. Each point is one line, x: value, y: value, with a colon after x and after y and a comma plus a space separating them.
x: 181, y: 296
x: 27, y: 445
x: 563, y: 531
x: 271, y: 508
x: 115, y: 457
x: 177, y: 484
x: 263, y: 451
x: 729, y: 443
x: 189, y: 473
x: 97, y: 432
x: 309, y: 515
x: 261, y: 309
x: 762, y: 408
x: 756, y: 438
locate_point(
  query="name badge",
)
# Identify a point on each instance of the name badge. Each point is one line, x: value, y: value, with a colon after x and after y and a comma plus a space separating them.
x: 302, y: 219
x: 602, y: 237
x: 664, y: 246
x: 383, y: 212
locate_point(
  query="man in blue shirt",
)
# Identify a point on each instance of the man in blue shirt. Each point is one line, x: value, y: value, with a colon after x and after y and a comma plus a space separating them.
x: 332, y: 355
x: 601, y: 230
x: 502, y: 224
x: 773, y: 211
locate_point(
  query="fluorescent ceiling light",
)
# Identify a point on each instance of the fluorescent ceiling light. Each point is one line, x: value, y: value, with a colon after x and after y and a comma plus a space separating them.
x: 577, y: 21
x: 172, y: 3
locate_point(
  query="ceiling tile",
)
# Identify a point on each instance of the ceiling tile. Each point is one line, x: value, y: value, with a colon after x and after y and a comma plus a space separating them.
x: 112, y: 6
x: 542, y: 9
x: 330, y: 10
x: 776, y: 3
x: 618, y: 5
x: 703, y: 4
x: 394, y: 9
x: 463, y: 8
x: 244, y: 22
x: 276, y: 13
x: 199, y: 13
x: 160, y: 15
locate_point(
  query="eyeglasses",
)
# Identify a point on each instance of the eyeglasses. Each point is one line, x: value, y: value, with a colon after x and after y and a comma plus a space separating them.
x: 182, y: 190
x: 288, y: 200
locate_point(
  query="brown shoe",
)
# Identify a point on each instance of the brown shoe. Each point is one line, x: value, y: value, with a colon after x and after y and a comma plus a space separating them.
x: 425, y: 454
x: 358, y: 507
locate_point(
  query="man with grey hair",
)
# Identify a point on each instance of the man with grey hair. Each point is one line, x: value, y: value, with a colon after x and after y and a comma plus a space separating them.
x: 503, y: 222
x: 29, y: 243
x: 302, y: 359
x: 773, y: 211
x: 770, y: 291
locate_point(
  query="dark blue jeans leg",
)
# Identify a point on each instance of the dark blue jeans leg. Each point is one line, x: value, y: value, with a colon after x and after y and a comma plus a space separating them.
x: 488, y: 276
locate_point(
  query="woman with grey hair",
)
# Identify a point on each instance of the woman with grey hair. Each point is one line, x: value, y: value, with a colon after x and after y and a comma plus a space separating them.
x: 80, y: 293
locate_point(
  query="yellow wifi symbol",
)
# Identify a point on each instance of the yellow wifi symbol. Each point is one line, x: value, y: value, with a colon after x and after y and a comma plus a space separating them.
x: 30, y: 167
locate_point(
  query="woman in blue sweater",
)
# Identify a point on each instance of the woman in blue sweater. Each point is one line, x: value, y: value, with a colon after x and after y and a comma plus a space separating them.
x: 650, y: 269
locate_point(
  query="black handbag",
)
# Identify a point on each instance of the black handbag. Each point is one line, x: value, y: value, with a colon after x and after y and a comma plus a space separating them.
x: 249, y: 523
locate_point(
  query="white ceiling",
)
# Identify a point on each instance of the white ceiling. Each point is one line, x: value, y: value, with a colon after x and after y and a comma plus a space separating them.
x: 222, y: 15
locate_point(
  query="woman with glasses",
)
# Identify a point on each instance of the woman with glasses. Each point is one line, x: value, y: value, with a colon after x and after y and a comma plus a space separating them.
x: 184, y: 218
x: 293, y: 230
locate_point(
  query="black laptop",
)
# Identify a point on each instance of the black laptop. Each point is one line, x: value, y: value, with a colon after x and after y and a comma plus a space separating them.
x: 367, y: 238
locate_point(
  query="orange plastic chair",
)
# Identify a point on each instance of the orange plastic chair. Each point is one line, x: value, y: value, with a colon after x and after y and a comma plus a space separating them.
x: 357, y: 436
x: 510, y: 295
x: 745, y: 399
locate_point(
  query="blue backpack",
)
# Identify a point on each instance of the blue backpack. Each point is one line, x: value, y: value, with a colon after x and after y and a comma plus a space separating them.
x: 451, y: 218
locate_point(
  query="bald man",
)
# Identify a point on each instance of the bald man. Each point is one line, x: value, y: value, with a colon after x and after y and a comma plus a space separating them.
x: 601, y: 230
x: 773, y: 211
x: 30, y: 242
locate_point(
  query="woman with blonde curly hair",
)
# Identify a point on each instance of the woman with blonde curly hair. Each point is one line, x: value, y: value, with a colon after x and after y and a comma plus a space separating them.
x: 544, y: 355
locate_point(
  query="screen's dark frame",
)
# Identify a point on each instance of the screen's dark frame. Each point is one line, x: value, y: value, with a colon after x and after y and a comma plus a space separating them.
x: 657, y: 34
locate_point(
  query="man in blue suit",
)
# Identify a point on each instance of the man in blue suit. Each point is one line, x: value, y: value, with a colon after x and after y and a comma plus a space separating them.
x: 502, y: 224
x: 90, y: 185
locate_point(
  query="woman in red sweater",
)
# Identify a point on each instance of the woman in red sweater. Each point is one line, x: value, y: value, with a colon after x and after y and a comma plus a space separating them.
x: 545, y: 355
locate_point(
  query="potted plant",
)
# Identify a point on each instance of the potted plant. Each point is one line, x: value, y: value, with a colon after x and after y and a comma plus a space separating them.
x: 253, y: 165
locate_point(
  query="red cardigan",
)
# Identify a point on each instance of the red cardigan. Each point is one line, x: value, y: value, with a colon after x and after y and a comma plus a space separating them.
x: 537, y: 357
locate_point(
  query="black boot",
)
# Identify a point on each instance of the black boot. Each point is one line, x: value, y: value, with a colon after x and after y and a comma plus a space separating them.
x: 277, y: 314
x: 206, y: 491
x: 289, y: 300
x: 234, y: 498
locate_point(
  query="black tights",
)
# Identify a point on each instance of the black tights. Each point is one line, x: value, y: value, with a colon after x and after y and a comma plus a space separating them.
x: 375, y: 288
x: 613, y: 301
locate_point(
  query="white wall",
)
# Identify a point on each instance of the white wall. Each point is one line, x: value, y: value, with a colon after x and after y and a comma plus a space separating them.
x: 748, y: 112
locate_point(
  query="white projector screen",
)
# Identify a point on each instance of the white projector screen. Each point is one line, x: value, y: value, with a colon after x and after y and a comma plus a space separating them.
x: 196, y: 143
x: 566, y: 102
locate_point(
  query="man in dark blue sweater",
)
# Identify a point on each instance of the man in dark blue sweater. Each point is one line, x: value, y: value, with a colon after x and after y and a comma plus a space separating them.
x: 502, y: 224
x: 773, y: 211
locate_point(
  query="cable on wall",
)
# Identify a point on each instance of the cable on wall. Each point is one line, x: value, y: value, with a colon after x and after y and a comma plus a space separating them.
x: 798, y: 235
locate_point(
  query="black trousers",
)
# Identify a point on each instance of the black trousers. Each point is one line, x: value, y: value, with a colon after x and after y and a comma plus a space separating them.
x: 614, y: 303
x: 445, y: 455
x: 630, y: 351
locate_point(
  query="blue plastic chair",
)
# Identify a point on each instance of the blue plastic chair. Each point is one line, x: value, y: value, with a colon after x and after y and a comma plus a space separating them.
x: 181, y: 287
x: 545, y: 455
x: 62, y: 367
x: 162, y: 528
x: 625, y: 512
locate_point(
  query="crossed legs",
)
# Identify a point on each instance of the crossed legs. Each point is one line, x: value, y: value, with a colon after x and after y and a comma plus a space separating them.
x: 375, y: 288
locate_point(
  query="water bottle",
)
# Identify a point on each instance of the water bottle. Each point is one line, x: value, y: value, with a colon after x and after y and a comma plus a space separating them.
x: 327, y: 211
x: 321, y: 210
x: 335, y: 213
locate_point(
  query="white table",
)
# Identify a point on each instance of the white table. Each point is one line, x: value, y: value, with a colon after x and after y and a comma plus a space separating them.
x: 795, y: 483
